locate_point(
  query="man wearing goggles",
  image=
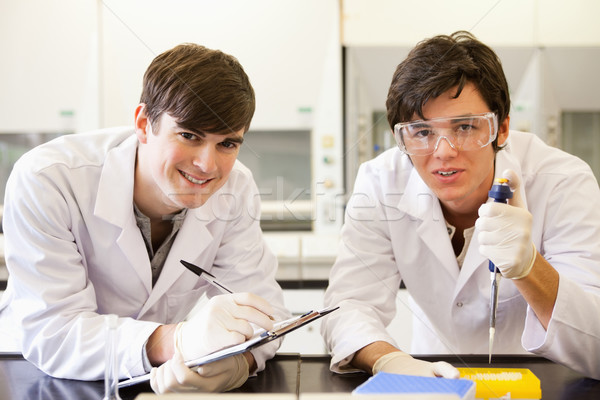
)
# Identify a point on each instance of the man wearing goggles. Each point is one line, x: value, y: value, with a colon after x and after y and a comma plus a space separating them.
x: 420, y: 215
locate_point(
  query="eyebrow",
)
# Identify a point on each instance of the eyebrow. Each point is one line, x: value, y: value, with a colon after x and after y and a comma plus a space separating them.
x: 465, y: 118
x: 233, y: 138
x: 420, y: 124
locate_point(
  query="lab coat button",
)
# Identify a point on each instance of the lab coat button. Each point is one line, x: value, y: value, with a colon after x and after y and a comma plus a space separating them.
x: 459, y: 304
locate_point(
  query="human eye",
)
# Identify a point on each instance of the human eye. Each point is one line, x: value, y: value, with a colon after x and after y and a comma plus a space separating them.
x: 423, y: 133
x: 188, y: 135
x: 420, y: 132
x: 465, y: 128
x: 229, y: 144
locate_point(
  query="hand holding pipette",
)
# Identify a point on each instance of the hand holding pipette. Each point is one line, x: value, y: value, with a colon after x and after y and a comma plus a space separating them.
x: 505, y: 238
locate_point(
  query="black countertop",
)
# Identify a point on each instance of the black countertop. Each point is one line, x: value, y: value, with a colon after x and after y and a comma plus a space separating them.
x: 289, y: 373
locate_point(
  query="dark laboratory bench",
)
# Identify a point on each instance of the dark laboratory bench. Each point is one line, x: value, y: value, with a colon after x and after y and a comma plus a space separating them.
x: 289, y: 373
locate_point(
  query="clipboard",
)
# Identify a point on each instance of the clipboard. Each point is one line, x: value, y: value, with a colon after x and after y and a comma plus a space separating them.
x: 260, y: 337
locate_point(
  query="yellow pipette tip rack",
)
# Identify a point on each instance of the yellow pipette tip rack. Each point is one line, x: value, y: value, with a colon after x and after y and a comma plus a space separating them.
x: 503, y: 383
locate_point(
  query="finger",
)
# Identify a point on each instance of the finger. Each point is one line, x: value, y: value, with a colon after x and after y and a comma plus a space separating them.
x: 254, y: 301
x: 513, y: 179
x: 514, y: 182
x: 153, y: 381
x: 491, y: 220
x: 243, y: 306
x: 215, y: 368
x: 445, y: 370
x: 170, y: 381
x: 235, y: 326
x: 493, y: 209
x: 161, y: 377
x: 184, y: 378
x: 250, y: 316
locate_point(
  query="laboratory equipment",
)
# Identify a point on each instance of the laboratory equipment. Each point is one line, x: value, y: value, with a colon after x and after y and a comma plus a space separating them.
x: 111, y: 362
x: 500, y: 192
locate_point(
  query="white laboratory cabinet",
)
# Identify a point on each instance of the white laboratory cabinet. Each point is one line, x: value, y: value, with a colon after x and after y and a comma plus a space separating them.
x: 308, y: 339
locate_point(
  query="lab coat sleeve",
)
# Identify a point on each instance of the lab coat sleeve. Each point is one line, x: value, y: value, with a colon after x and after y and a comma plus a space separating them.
x: 244, y: 260
x: 51, y: 297
x: 364, y: 280
x: 570, y: 243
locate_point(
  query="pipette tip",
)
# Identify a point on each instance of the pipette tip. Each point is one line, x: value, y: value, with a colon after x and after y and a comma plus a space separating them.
x: 492, y: 333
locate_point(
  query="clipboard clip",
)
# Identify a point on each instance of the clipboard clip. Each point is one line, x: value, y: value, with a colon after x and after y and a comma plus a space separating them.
x: 283, y: 327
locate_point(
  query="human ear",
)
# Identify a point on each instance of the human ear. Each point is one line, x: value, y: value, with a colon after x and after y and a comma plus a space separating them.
x: 142, y: 124
x: 503, y: 130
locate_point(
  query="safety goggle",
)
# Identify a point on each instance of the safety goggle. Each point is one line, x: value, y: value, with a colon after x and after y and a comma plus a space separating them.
x: 464, y: 133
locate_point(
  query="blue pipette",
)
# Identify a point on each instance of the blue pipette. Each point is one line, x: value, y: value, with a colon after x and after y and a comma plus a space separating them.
x: 500, y: 192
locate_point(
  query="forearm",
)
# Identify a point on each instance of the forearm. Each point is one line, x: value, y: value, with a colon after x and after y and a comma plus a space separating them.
x: 540, y: 289
x: 251, y: 362
x: 366, y: 357
x: 160, y: 346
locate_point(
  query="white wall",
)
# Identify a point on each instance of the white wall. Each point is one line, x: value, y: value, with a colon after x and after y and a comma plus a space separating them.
x: 283, y: 45
x: 48, y: 64
x: 498, y: 23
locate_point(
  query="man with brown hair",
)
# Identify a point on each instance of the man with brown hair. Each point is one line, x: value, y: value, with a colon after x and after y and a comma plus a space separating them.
x: 420, y: 215
x: 97, y: 224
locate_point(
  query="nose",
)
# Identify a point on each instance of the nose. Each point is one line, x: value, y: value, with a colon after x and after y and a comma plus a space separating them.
x: 444, y: 148
x: 206, y: 159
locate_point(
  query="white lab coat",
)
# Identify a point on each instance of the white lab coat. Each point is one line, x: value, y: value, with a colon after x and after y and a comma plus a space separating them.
x: 395, y: 230
x: 74, y: 253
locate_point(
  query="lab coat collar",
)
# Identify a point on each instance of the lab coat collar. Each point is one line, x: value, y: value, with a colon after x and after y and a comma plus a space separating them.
x: 114, y: 200
x: 114, y: 204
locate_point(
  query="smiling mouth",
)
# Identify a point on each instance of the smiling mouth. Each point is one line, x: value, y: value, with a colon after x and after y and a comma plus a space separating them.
x: 447, y: 173
x: 193, y: 180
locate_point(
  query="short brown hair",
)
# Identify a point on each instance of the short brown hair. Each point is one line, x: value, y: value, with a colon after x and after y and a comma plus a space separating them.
x: 437, y: 65
x: 204, y: 90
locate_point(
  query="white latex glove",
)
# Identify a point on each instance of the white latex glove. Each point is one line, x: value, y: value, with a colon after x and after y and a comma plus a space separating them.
x: 224, y: 321
x: 505, y: 233
x: 219, y: 376
x: 399, y: 362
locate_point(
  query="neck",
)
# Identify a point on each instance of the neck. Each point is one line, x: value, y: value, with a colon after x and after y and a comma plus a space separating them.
x: 460, y: 220
x: 147, y: 197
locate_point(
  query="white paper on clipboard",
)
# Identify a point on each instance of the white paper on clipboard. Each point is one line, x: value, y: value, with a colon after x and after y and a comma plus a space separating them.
x: 260, y: 337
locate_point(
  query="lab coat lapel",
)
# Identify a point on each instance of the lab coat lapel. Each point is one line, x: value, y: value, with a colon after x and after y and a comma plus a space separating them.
x: 420, y: 203
x: 114, y: 204
x: 191, y: 241
x: 473, y: 261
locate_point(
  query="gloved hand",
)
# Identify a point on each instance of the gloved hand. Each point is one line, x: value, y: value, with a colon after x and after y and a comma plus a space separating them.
x: 399, y: 362
x: 219, y: 376
x: 505, y: 233
x: 224, y: 321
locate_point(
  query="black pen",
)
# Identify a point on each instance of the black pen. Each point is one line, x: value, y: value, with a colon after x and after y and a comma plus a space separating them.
x: 210, y: 278
x: 207, y: 276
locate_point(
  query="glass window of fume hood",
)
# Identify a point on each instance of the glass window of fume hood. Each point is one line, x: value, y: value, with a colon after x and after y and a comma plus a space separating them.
x: 13, y: 146
x: 279, y: 160
x: 281, y: 164
x: 581, y: 137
